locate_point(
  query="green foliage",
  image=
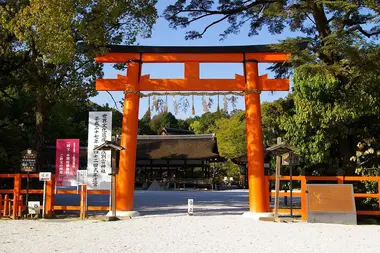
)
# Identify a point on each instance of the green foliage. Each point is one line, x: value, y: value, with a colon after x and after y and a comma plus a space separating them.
x: 231, y: 135
x: 332, y: 28
x: 206, y: 123
x: 47, y: 68
x: 367, y: 161
x: 165, y: 119
x: 335, y: 72
x: 329, y: 116
x: 229, y: 129
x: 271, y: 115
x: 53, y: 28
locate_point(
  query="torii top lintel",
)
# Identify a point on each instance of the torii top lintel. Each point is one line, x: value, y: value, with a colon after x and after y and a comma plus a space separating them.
x: 192, y: 57
x: 160, y: 54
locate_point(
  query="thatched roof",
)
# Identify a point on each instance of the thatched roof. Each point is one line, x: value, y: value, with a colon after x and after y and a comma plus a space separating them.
x: 175, y: 131
x: 277, y: 149
x: 242, y: 160
x: 156, y: 147
x: 201, y: 146
x: 281, y: 148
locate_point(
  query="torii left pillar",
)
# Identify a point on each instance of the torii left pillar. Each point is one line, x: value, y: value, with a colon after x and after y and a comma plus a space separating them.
x: 125, y: 179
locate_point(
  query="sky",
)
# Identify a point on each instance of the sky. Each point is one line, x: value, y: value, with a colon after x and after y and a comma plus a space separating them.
x: 163, y: 35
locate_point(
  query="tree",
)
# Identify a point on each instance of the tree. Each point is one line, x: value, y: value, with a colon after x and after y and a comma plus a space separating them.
x: 231, y: 135
x: 329, y: 119
x: 272, y: 113
x: 341, y: 49
x: 206, y: 122
x: 47, y: 50
x: 162, y: 120
x: 144, y: 127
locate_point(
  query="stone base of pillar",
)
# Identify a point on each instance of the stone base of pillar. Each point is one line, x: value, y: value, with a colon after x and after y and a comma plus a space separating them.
x: 124, y: 214
x: 257, y: 216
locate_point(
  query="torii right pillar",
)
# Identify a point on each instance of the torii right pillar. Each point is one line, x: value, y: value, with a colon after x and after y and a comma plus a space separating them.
x: 258, y: 188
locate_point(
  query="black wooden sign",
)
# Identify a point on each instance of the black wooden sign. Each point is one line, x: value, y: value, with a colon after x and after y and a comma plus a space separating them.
x: 28, y: 160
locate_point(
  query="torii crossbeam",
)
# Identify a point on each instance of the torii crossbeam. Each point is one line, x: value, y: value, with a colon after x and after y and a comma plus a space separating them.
x: 251, y: 83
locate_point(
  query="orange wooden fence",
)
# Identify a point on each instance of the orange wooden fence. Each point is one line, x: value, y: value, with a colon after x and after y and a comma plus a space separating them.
x: 17, y: 205
x: 337, y: 179
x: 12, y: 207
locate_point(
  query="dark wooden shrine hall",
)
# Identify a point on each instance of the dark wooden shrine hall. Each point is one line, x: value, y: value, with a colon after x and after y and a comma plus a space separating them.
x: 175, y: 158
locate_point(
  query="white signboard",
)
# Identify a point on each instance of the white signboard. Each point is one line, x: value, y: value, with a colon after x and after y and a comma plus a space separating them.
x: 99, y: 162
x: 45, y: 176
x: 82, y: 177
x: 34, y: 207
x: 190, y: 206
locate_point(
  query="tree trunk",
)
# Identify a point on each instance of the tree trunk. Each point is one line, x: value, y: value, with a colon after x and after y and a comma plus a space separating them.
x: 346, y: 151
x: 40, y: 140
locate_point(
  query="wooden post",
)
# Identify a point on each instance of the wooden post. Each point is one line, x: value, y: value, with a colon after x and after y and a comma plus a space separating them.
x: 291, y: 182
x: 125, y: 180
x: 20, y: 205
x: 16, y: 191
x: 1, y: 205
x: 268, y: 192
x: 83, y: 202
x: 5, y: 212
x: 378, y: 192
x: 277, y: 186
x: 49, y: 205
x: 14, y: 207
x: 255, y: 151
x: 303, y: 199
x: 113, y: 186
x: 16, y: 194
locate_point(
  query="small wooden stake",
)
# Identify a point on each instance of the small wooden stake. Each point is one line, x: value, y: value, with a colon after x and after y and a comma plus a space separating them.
x: 277, y: 186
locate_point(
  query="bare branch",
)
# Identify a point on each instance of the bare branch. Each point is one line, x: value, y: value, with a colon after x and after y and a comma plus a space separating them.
x: 370, y: 159
x: 345, y: 18
x: 364, y: 32
x: 228, y: 12
x: 113, y: 100
x: 308, y: 16
x: 214, y: 23
x: 200, y: 17
x: 7, y: 95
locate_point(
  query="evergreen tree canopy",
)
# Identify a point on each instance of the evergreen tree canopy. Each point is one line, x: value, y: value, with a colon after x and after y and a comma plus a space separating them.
x: 336, y: 76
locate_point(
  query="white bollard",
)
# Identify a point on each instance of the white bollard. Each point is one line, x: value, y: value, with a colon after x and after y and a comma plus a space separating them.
x: 190, y: 206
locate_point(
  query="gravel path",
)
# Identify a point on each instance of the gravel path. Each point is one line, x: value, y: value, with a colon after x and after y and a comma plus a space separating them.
x: 175, y: 202
x: 225, y: 233
x: 217, y: 226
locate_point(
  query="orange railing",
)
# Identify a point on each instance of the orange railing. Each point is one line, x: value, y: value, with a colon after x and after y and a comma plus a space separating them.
x: 17, y: 205
x: 338, y: 179
x: 10, y: 208
x: 13, y: 207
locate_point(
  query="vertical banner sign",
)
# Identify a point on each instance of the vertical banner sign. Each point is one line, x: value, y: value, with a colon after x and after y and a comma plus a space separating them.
x: 66, y: 162
x: 99, y: 162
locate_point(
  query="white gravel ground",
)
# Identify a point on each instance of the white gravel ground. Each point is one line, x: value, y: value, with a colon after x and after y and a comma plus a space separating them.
x: 173, y: 232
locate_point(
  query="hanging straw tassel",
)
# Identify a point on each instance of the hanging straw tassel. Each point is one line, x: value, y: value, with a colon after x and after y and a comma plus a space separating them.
x: 204, y: 104
x: 148, y: 110
x: 218, y: 108
x: 225, y: 104
x: 154, y: 102
x: 175, y: 105
x: 192, y: 107
x: 166, y: 107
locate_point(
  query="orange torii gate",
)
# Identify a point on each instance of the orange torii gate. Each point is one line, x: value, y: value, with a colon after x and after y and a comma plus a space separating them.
x: 134, y: 83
